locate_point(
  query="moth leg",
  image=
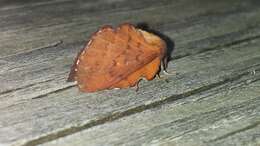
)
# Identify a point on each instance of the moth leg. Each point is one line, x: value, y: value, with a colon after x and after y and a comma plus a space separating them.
x: 166, y: 73
x: 165, y: 63
x: 158, y: 75
x: 137, y: 85
x: 169, y: 74
x: 163, y: 66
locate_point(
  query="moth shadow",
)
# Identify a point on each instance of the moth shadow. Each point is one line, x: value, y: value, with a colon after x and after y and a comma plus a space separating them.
x: 169, y: 42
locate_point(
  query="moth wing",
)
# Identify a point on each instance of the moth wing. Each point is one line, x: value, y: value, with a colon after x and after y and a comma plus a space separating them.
x: 111, y: 57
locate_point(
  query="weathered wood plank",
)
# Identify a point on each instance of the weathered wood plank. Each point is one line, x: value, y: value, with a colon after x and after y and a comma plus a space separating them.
x: 226, y: 115
x: 44, y: 73
x: 43, y: 23
x: 79, y: 111
x: 37, y: 105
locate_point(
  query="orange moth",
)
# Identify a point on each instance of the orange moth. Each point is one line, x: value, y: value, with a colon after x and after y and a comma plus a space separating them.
x: 118, y: 58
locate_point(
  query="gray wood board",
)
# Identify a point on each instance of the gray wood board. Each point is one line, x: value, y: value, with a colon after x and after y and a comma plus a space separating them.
x: 29, y: 26
x: 215, y: 45
x: 67, y: 111
x: 224, y: 115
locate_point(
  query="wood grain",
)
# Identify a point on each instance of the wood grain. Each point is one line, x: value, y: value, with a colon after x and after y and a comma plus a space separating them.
x: 202, y: 119
x: 216, y: 86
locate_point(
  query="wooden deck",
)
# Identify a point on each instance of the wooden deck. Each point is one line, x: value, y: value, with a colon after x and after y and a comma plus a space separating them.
x: 212, y: 99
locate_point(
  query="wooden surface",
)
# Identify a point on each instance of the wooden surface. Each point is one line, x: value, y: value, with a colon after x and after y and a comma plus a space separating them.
x: 212, y: 99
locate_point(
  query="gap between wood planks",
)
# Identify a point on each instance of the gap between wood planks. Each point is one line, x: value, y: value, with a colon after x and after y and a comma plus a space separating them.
x: 225, y: 45
x: 251, y: 126
x: 54, y: 44
x: 141, y: 108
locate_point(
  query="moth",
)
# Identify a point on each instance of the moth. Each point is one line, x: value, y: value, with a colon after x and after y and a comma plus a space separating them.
x: 118, y: 58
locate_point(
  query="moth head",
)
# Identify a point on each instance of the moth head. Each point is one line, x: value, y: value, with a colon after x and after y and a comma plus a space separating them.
x: 154, y: 40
